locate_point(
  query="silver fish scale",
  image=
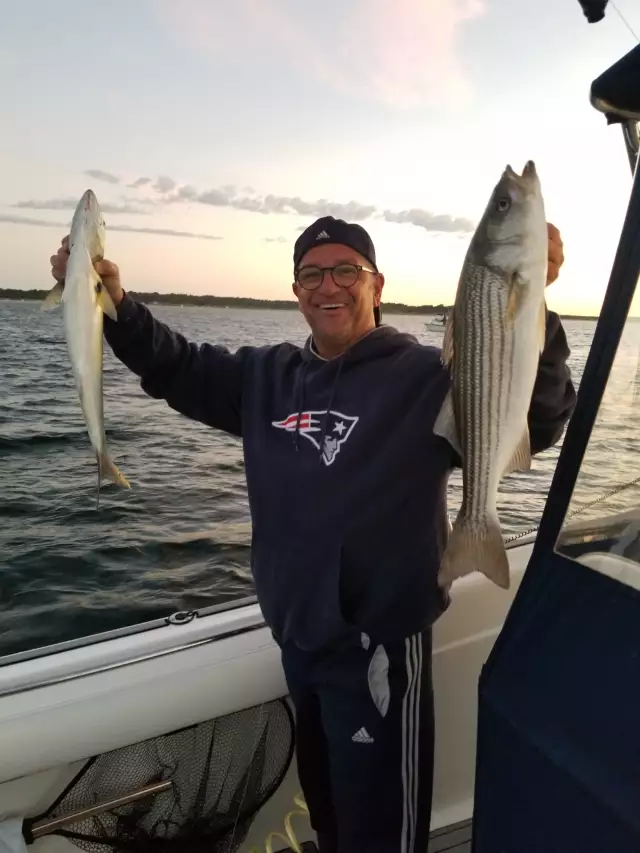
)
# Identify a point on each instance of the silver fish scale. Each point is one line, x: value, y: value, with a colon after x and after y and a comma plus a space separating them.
x: 483, y: 355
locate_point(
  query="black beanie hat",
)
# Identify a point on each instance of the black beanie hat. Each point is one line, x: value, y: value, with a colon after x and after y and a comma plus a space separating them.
x: 330, y: 230
x: 327, y: 229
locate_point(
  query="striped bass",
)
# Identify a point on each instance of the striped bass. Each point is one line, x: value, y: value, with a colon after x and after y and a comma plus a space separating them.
x: 84, y: 300
x: 491, y: 346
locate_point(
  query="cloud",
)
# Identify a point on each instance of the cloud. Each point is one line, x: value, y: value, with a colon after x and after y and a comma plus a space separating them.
x: 140, y: 182
x: 271, y: 203
x: 164, y: 184
x: 229, y: 197
x: 167, y: 232
x: 100, y: 175
x: 439, y: 222
x: 136, y: 202
x: 402, y: 54
x: 71, y: 203
x: 62, y: 226
x: 26, y: 220
x: 276, y: 239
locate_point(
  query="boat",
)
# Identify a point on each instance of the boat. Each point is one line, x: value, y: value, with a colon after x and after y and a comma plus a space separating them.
x: 437, y: 322
x: 178, y: 733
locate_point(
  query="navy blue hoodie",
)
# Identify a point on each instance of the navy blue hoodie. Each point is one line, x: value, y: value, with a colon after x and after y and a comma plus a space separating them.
x: 346, y: 480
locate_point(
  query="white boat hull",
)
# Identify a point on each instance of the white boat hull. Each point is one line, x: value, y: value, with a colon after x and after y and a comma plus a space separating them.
x: 58, y: 710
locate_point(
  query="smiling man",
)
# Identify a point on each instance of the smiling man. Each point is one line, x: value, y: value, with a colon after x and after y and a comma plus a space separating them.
x: 326, y: 272
x: 347, y: 488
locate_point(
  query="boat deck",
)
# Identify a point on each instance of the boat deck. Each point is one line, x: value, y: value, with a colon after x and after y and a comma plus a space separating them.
x: 453, y: 839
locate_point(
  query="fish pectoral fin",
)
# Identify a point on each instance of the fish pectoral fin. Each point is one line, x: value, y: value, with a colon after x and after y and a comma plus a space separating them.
x: 543, y: 325
x: 475, y: 545
x: 102, y: 294
x: 517, y: 292
x: 521, y: 459
x: 54, y: 297
x: 445, y: 424
x: 447, y: 341
x: 104, y: 300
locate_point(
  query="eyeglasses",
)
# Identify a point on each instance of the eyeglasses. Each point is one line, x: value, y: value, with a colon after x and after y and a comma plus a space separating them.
x: 344, y: 275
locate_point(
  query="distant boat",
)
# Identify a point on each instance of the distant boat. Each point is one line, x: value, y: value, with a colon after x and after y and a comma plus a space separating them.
x: 438, y: 321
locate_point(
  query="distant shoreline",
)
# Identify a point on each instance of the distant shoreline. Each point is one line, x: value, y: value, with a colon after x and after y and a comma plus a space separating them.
x: 184, y: 299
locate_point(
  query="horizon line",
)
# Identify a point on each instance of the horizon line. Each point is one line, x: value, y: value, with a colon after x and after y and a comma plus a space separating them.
x: 14, y: 293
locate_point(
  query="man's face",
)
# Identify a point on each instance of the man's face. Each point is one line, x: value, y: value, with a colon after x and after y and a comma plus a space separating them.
x: 338, y: 316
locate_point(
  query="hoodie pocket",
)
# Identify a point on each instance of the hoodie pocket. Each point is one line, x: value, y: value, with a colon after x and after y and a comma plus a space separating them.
x: 298, y: 587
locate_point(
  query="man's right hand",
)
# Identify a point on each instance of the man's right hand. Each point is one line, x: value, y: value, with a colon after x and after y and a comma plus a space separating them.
x: 108, y: 271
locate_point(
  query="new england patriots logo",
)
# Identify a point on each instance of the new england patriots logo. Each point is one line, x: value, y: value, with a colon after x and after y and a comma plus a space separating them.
x: 338, y: 429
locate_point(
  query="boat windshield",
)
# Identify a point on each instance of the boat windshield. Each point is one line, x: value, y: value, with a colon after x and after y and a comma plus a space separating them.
x: 602, y: 527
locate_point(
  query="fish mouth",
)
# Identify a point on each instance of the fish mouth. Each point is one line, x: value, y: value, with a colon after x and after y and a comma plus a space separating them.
x: 529, y: 170
x: 89, y: 200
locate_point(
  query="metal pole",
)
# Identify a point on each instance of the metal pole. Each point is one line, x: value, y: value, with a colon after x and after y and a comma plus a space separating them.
x: 46, y: 827
x: 632, y: 142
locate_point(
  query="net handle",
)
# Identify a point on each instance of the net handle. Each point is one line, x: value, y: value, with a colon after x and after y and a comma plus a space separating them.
x: 46, y: 827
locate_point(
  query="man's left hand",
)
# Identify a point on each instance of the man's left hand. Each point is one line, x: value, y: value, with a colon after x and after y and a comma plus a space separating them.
x: 556, y: 253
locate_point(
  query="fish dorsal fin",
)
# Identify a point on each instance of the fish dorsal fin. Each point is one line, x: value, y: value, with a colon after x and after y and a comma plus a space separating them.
x: 447, y: 341
x: 53, y: 298
x: 521, y: 459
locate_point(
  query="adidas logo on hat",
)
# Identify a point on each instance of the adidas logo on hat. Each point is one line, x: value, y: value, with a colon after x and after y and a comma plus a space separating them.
x: 328, y: 229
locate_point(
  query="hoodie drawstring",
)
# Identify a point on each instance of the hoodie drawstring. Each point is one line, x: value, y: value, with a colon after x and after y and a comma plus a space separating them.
x: 299, y: 397
x: 325, y: 420
x: 376, y: 333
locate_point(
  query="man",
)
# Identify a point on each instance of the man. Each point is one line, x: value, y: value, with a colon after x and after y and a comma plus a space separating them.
x: 347, y: 488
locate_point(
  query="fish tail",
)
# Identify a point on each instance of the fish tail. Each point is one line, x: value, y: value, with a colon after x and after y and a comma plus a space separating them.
x: 109, y: 470
x: 475, y: 545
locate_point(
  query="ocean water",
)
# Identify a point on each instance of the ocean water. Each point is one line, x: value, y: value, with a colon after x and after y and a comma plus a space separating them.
x: 179, y: 539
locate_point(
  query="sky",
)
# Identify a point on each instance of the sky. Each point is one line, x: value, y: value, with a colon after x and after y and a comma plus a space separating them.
x: 212, y: 133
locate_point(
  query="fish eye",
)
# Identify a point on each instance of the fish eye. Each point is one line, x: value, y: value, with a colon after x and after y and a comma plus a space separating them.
x: 504, y: 203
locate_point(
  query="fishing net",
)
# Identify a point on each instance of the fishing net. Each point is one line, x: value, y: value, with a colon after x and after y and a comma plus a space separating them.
x: 221, y: 772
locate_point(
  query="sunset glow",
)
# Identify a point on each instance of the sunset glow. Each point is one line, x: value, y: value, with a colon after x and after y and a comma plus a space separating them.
x: 245, y: 122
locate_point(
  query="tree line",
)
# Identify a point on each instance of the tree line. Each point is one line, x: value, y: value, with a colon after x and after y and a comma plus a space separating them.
x: 247, y: 302
x: 225, y: 301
